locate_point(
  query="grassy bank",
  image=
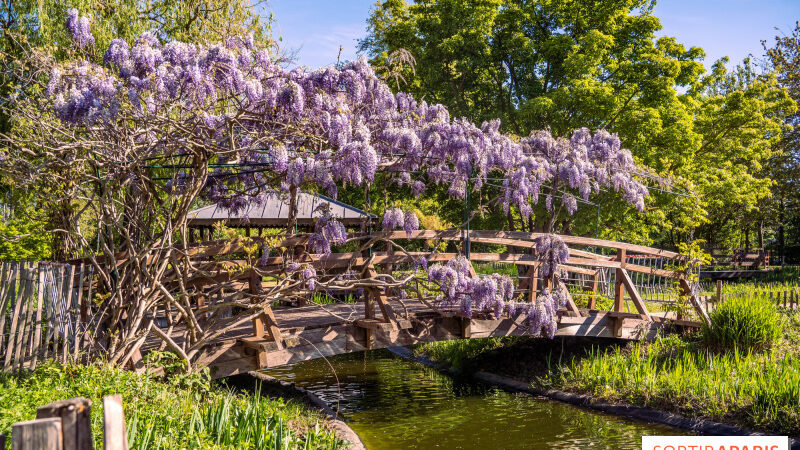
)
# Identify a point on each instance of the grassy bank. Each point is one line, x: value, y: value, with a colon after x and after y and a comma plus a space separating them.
x: 685, y: 374
x: 179, y: 412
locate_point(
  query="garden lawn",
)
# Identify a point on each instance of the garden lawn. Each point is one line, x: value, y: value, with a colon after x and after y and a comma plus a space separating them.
x: 183, y: 411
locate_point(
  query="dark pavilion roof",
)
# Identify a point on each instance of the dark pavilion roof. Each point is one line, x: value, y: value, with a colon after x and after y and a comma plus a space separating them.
x: 275, y: 212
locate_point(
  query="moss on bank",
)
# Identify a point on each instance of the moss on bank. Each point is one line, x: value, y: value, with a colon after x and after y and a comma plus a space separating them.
x: 677, y: 374
x: 181, y: 411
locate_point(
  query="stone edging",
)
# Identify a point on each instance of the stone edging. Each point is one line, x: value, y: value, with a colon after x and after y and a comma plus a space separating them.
x: 700, y: 426
x: 273, y: 386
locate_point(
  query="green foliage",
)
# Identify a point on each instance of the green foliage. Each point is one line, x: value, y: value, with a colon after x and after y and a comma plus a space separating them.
x: 591, y: 63
x: 180, y: 411
x: 783, y: 211
x: 754, y: 390
x: 457, y: 353
x: 748, y: 322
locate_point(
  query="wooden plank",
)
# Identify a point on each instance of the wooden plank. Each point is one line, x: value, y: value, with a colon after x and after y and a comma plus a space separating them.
x: 576, y: 240
x: 114, y: 435
x: 633, y: 293
x: 75, y: 416
x: 69, y: 331
x: 571, y: 306
x: 50, y: 280
x: 26, y: 298
x: 693, y: 300
x: 13, y: 335
x: 619, y: 292
x: 82, y: 314
x: 37, y: 434
x: 37, y: 332
x: 6, y: 269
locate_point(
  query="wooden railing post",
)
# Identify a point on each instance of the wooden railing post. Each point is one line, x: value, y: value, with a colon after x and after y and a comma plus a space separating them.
x: 114, y: 433
x: 39, y: 434
x: 75, y: 416
x: 595, y: 286
x: 619, y: 288
x: 265, y: 322
x: 719, y: 291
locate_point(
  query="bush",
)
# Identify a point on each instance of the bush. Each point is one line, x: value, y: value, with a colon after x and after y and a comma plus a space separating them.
x: 748, y: 323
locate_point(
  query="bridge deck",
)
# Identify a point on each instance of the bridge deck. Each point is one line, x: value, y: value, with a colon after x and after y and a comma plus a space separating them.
x: 315, y: 331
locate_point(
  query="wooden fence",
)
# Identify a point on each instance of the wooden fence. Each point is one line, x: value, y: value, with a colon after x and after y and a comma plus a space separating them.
x: 740, y: 258
x: 66, y: 425
x: 788, y: 298
x: 44, y: 312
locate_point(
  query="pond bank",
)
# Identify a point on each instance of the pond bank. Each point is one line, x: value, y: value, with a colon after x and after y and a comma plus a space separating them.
x: 273, y: 387
x: 660, y: 383
x: 650, y: 415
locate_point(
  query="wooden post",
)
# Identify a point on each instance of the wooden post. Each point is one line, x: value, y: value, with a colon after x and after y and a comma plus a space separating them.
x: 719, y: 291
x: 75, y: 415
x: 40, y: 434
x: 619, y: 288
x: 114, y: 434
x: 466, y: 327
x: 534, y: 282
x: 595, y: 286
x: 265, y: 322
x: 633, y: 293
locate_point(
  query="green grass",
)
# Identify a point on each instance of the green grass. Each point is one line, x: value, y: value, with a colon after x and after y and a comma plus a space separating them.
x: 751, y: 389
x: 682, y: 374
x: 746, y: 323
x: 181, y: 412
x: 457, y: 352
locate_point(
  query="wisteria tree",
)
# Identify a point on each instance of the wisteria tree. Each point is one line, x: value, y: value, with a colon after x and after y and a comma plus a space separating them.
x: 122, y: 151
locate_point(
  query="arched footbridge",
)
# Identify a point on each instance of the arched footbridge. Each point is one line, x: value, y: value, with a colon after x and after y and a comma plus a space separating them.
x: 617, y: 290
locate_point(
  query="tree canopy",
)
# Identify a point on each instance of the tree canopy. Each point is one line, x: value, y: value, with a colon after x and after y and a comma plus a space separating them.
x: 563, y: 64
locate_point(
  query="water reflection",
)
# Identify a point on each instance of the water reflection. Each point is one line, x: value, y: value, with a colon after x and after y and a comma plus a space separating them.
x: 394, y: 403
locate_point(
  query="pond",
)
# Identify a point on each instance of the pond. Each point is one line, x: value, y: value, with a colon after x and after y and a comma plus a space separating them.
x: 393, y: 403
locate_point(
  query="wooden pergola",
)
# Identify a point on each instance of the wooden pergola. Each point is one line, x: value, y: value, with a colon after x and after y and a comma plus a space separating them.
x: 274, y: 213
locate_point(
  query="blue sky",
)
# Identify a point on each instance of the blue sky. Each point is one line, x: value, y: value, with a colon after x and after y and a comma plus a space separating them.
x: 734, y: 28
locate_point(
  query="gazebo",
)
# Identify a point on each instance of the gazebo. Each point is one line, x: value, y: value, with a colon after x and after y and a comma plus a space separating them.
x: 274, y: 213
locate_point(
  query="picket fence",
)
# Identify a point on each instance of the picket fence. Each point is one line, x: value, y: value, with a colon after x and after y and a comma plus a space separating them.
x: 44, y: 313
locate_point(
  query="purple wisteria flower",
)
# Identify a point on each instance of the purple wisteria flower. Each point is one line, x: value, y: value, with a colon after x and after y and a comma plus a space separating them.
x: 310, y: 276
x: 80, y: 28
x: 327, y: 231
x: 551, y: 251
x: 355, y: 121
x: 393, y: 218
x: 457, y: 287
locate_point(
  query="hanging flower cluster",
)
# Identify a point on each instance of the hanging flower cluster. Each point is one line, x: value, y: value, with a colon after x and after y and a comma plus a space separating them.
x: 80, y: 28
x: 458, y: 288
x: 551, y: 251
x: 327, y: 231
x: 541, y: 315
x: 285, y: 128
x: 310, y: 276
x: 395, y: 218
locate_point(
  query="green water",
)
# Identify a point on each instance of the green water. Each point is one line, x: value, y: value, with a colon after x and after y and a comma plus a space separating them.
x: 393, y: 403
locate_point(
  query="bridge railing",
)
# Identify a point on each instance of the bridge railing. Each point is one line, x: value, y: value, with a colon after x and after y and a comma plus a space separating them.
x: 626, y: 278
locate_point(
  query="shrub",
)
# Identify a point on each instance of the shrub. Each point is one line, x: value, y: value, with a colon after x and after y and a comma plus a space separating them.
x: 748, y: 322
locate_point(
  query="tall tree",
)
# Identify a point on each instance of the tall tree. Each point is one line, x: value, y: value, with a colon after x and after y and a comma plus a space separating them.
x: 596, y: 63
x: 38, y: 25
x: 784, y: 58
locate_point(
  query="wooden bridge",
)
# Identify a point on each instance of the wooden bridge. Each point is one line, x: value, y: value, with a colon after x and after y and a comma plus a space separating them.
x: 617, y: 290
x: 288, y: 332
